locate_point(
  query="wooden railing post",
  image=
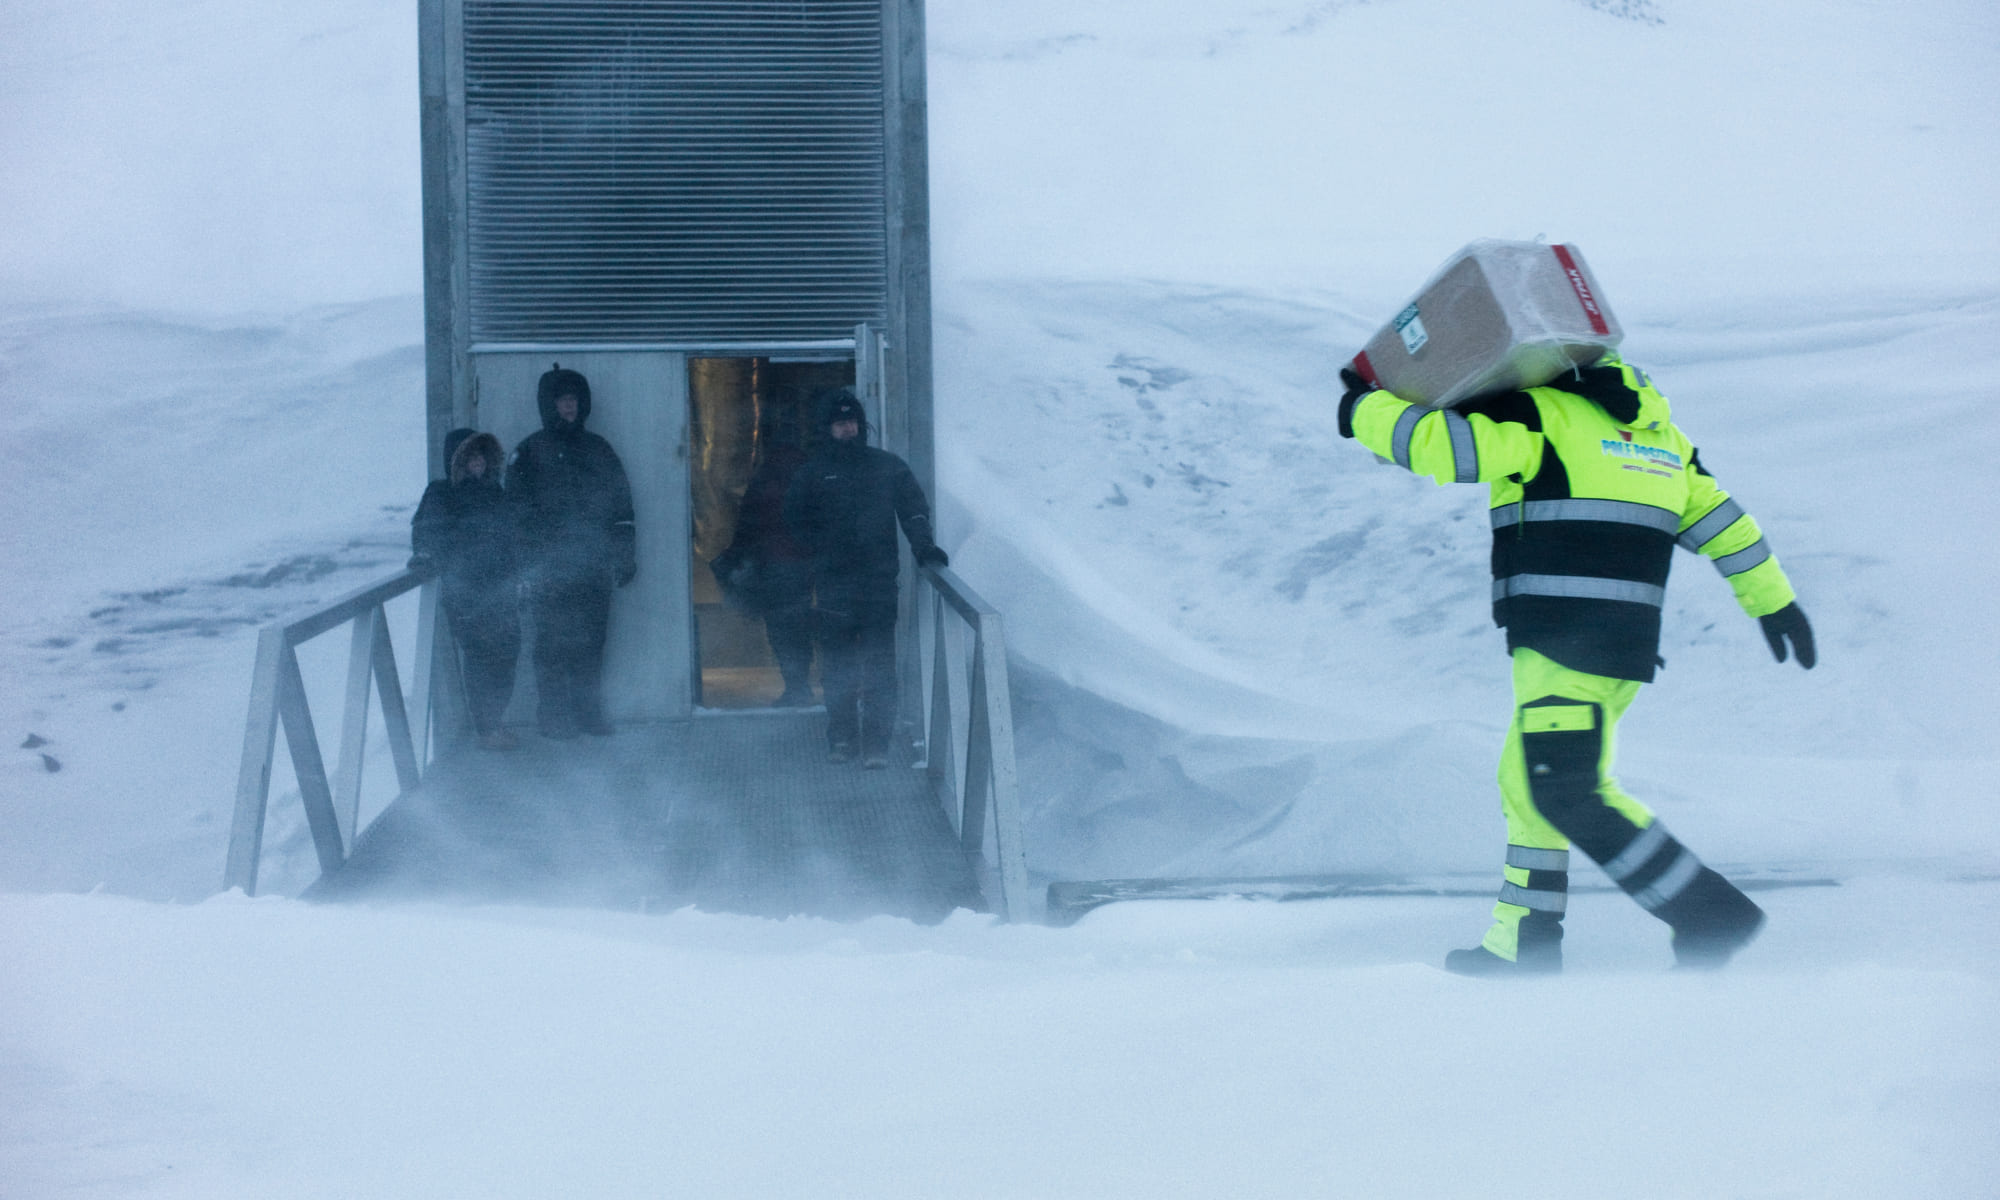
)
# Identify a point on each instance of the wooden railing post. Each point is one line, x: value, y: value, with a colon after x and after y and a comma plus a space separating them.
x: 978, y: 759
x: 253, y: 774
x: 998, y: 703
x: 395, y: 716
x: 314, y: 791
x: 940, y: 751
x: 354, y: 723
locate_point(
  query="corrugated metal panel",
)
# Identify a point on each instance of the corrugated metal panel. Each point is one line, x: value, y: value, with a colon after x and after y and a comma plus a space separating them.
x: 674, y: 170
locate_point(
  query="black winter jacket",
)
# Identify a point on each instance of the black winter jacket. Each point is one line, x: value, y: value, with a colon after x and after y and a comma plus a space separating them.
x: 576, y: 504
x: 844, y: 505
x: 468, y: 529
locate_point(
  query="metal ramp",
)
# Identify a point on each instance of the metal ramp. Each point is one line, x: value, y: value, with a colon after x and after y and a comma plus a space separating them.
x: 730, y: 813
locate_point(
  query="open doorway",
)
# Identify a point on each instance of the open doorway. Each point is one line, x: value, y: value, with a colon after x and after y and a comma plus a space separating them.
x: 749, y: 422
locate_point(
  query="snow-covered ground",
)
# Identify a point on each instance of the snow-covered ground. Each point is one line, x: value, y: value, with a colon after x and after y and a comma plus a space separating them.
x: 272, y: 1048
x: 1242, y: 647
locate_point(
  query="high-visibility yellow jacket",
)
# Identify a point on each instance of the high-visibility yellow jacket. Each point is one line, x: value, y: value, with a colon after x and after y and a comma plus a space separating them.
x: 1592, y: 485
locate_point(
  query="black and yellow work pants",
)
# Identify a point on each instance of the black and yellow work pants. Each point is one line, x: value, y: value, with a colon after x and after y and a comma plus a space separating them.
x: 1557, y: 789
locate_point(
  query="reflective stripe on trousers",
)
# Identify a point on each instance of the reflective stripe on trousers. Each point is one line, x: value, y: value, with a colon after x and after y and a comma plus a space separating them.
x: 1535, y: 845
x: 1647, y: 848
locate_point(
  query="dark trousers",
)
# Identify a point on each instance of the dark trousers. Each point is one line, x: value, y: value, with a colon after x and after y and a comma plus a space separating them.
x: 571, y: 617
x: 857, y: 663
x: 790, y: 631
x: 786, y: 606
x: 489, y: 642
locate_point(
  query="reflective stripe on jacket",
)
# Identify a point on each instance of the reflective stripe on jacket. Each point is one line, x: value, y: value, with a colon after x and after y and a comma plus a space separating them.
x: 1592, y: 485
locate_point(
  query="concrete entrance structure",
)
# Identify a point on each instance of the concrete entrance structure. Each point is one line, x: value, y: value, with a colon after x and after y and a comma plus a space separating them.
x: 630, y: 188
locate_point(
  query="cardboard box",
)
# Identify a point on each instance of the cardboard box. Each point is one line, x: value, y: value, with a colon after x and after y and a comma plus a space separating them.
x: 1497, y: 316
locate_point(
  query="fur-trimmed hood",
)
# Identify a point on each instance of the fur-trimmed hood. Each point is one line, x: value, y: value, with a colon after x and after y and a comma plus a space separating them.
x: 462, y: 445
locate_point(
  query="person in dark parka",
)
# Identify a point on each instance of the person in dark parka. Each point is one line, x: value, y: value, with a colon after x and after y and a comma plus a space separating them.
x: 466, y: 530
x: 844, y: 504
x: 578, y: 539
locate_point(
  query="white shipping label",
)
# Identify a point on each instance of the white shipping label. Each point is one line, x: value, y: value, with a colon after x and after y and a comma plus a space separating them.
x: 1411, y: 326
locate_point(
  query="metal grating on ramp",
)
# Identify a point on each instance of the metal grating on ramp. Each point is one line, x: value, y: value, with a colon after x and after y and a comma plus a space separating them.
x: 738, y: 813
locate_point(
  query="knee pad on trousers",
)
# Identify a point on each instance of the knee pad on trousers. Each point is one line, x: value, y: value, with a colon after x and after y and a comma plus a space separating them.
x: 1562, y: 747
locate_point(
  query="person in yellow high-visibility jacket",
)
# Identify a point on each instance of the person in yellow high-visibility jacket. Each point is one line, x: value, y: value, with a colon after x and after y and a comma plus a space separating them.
x: 1592, y: 486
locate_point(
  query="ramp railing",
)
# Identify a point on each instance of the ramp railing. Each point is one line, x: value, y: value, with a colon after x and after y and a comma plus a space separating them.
x: 970, y: 705
x: 278, y: 697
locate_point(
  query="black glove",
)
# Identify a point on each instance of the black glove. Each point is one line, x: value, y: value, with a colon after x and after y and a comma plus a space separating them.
x: 1357, y: 387
x: 931, y: 556
x: 1790, y: 622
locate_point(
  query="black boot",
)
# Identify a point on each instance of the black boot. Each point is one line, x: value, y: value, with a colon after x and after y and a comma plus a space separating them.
x: 1483, y: 963
x: 1712, y: 920
x: 1538, y: 951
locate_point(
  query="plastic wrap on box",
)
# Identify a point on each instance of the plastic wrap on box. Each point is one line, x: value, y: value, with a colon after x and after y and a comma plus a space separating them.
x: 1497, y: 316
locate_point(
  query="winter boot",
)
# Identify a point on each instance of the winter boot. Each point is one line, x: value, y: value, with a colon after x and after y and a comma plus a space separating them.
x: 1712, y: 920
x: 1483, y: 963
x: 1538, y: 951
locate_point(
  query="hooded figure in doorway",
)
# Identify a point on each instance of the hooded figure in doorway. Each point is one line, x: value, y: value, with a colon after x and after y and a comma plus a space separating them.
x: 767, y: 570
x: 466, y: 530
x: 579, y: 543
x: 844, y: 505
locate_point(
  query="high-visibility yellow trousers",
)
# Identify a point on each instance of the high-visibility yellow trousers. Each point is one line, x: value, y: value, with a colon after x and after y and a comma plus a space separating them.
x: 1556, y: 787
x: 1557, y: 790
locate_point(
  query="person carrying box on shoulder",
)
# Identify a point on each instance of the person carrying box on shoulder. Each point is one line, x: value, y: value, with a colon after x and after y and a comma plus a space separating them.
x: 1592, y: 485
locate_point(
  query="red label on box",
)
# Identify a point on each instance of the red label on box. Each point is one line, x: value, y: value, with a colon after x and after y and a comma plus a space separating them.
x: 1582, y: 289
